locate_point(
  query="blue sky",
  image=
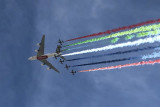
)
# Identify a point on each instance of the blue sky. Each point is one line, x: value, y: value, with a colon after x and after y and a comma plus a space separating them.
x: 26, y: 84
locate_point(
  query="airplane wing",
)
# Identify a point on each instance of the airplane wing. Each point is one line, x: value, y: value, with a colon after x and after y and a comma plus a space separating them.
x: 41, y: 48
x: 49, y: 64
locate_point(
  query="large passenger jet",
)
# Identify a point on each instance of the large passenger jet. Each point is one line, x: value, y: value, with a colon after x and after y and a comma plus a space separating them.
x: 43, y: 57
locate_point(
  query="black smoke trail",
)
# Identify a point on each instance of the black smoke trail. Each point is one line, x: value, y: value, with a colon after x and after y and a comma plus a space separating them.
x: 110, y: 61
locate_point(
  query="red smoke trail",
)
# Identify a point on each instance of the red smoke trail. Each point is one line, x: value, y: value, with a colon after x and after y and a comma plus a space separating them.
x: 117, y: 29
x: 126, y: 65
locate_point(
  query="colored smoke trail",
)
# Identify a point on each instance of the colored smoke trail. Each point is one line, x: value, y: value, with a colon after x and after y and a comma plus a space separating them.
x: 114, y: 40
x: 118, y: 29
x: 65, y: 50
x: 117, y: 53
x: 138, y: 35
x: 153, y: 55
x: 126, y: 65
x: 136, y: 30
x: 157, y: 49
x: 121, y: 45
x: 79, y: 47
x: 104, y: 62
x: 128, y: 37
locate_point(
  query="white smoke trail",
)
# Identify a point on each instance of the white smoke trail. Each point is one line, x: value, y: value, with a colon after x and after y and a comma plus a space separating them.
x: 157, y: 49
x: 109, y: 47
x: 153, y: 55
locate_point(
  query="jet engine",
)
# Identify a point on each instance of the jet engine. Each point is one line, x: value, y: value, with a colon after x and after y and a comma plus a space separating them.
x: 48, y: 68
x: 38, y: 44
x: 42, y: 64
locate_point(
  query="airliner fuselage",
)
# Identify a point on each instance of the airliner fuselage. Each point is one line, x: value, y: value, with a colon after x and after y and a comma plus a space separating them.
x: 43, y: 56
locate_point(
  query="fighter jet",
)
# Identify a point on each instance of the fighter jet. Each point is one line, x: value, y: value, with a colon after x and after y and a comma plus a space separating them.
x: 58, y: 49
x: 55, y: 56
x: 73, y: 72
x: 42, y: 57
x: 59, y: 46
x: 60, y: 42
x: 61, y: 61
x: 67, y: 66
x: 59, y: 55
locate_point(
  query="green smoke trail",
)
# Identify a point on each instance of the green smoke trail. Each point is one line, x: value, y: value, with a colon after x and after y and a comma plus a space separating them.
x: 65, y: 50
x: 128, y: 37
x: 143, y: 34
x: 138, y: 35
x: 114, y: 40
x: 136, y: 30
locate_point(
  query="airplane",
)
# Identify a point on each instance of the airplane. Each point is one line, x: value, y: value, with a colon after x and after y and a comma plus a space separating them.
x: 73, y: 72
x: 59, y: 55
x: 61, y: 61
x: 59, y: 46
x: 58, y: 49
x: 43, y: 57
x: 67, y: 66
x: 60, y: 42
x: 55, y: 56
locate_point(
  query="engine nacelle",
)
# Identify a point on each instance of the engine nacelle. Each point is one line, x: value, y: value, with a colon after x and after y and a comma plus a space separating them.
x: 38, y: 44
x: 42, y: 64
x: 48, y: 68
x: 36, y: 50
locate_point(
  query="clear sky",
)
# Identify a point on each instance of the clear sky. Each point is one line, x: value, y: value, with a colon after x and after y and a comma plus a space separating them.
x: 25, y: 83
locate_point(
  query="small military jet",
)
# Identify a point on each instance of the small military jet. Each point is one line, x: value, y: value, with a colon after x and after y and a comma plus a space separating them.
x: 55, y: 56
x: 60, y: 42
x: 58, y: 49
x: 42, y: 57
x: 67, y: 66
x: 59, y: 55
x: 59, y: 46
x: 73, y: 72
x: 61, y: 61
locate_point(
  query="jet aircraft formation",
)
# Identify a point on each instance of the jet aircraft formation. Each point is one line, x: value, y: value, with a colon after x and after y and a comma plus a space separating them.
x: 134, y: 38
x: 43, y: 57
